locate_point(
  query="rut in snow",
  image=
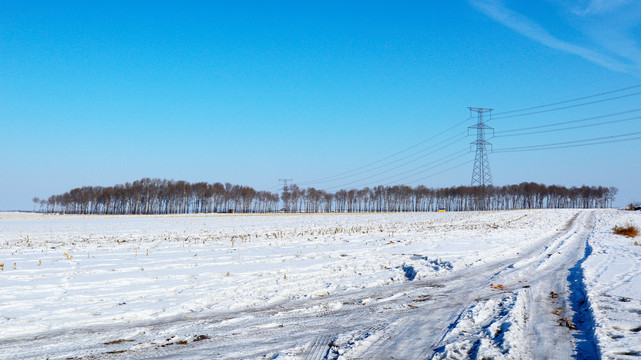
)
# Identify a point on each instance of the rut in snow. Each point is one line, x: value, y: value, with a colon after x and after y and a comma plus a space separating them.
x: 587, y: 346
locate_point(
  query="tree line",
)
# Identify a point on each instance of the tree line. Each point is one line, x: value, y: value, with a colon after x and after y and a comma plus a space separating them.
x: 159, y: 196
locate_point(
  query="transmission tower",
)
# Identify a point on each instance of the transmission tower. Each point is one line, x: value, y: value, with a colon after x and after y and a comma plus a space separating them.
x: 285, y: 181
x: 481, y: 175
x: 285, y: 189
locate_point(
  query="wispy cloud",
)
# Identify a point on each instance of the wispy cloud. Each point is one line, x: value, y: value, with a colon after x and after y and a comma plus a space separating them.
x: 618, y: 51
x: 599, y: 7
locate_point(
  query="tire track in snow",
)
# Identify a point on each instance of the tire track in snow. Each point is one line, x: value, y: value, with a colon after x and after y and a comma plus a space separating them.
x: 469, y: 286
x: 612, y: 278
x: 547, y: 316
x: 319, y: 348
x: 587, y: 346
x: 417, y: 319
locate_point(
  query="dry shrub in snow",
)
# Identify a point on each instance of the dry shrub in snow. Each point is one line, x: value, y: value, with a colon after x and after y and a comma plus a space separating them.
x: 628, y: 230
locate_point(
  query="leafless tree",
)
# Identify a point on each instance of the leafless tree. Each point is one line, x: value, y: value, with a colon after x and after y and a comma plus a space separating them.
x: 157, y: 196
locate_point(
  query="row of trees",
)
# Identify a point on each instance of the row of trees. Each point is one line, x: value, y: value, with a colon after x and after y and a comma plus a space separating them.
x: 156, y: 196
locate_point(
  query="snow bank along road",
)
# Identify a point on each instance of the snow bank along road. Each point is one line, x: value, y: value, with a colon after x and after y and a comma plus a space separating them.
x: 545, y: 284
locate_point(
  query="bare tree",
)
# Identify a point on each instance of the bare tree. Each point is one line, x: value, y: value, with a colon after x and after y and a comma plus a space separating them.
x: 157, y: 196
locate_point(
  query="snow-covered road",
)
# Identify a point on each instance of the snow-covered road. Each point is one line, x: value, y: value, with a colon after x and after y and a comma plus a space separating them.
x: 373, y: 286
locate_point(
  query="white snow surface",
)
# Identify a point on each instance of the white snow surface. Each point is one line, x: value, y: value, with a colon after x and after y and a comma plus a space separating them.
x: 535, y: 284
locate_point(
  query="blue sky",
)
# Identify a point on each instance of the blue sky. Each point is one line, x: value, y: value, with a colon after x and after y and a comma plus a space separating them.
x: 250, y: 92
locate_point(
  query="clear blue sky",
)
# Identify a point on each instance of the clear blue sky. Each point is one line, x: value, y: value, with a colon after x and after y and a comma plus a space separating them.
x: 250, y: 92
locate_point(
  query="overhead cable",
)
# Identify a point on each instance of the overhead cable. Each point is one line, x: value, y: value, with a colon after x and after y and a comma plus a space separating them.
x: 568, y: 122
x: 576, y: 142
x: 572, y: 127
x: 333, y: 177
x: 567, y: 107
x: 371, y: 179
x: 457, y: 137
x: 569, y: 100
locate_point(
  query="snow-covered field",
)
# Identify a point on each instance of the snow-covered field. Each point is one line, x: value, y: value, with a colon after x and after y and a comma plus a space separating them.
x: 509, y: 284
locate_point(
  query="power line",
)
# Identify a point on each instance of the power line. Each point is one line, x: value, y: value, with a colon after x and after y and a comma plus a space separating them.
x: 568, y: 122
x: 274, y: 188
x: 569, y: 100
x: 333, y: 177
x: 571, y: 146
x: 442, y: 162
x: 572, y: 127
x: 457, y: 136
x: 369, y: 179
x: 422, y: 171
x: 567, y: 107
x: 443, y: 171
x: 391, y: 162
x: 552, y: 145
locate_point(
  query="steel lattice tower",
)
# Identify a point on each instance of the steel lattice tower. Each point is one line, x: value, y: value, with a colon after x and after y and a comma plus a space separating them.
x: 285, y: 181
x: 481, y: 175
x: 285, y: 190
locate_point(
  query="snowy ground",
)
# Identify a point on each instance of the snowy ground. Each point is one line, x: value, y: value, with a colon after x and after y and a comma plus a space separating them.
x: 509, y: 284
